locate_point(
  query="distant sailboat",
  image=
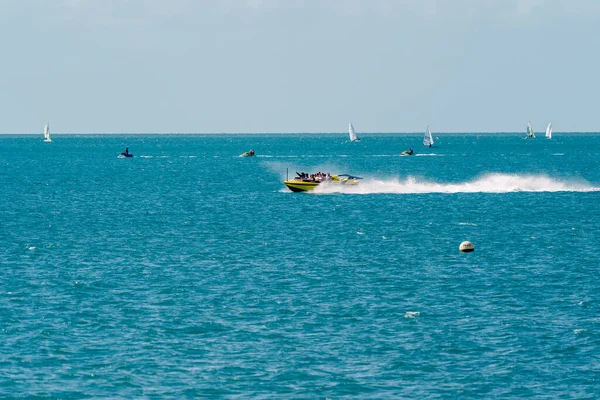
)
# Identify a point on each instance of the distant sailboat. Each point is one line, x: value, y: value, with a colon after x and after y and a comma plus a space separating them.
x: 530, y: 134
x: 47, y: 133
x: 428, y: 139
x: 549, y: 131
x: 352, y: 133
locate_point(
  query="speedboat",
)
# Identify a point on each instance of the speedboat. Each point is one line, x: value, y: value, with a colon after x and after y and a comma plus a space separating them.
x: 300, y: 184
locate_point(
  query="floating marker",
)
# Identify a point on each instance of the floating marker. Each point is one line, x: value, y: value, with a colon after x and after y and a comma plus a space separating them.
x: 466, y: 247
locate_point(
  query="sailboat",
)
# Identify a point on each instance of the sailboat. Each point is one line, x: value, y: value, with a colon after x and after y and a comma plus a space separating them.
x: 428, y: 139
x: 47, y: 132
x: 530, y: 134
x: 353, y: 137
x: 549, y: 131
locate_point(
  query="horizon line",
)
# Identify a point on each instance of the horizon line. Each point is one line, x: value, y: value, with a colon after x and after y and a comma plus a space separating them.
x: 282, y: 133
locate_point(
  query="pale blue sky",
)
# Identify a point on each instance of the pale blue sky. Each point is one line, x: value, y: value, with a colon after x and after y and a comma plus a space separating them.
x: 298, y: 65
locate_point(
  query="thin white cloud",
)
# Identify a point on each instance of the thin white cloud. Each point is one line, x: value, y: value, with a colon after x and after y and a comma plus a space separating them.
x: 261, y: 3
x: 525, y: 7
x: 111, y: 11
x: 142, y: 11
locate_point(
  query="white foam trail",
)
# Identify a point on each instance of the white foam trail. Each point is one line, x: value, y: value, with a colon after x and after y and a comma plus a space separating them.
x: 429, y: 155
x: 491, y: 183
x: 269, y: 156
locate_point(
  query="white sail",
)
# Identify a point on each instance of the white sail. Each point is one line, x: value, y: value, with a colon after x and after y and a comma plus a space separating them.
x: 47, y: 133
x: 428, y: 139
x: 530, y: 133
x: 352, y: 133
x: 549, y: 131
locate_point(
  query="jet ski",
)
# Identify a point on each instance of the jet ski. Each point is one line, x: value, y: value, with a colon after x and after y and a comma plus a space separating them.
x: 408, y: 152
x: 126, y: 154
x: 248, y: 153
x: 304, y: 182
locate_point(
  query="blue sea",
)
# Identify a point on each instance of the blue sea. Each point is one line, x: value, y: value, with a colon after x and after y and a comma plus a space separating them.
x: 189, y: 271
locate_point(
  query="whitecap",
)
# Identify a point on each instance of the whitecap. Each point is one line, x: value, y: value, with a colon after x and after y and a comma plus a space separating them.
x: 412, y: 314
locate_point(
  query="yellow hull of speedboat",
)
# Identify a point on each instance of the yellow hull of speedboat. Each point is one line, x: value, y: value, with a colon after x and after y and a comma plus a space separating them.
x: 303, y: 186
x: 300, y: 186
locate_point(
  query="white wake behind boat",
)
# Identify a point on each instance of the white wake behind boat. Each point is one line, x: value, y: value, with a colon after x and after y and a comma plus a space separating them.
x: 47, y: 132
x: 428, y: 139
x: 352, y: 133
x: 549, y: 131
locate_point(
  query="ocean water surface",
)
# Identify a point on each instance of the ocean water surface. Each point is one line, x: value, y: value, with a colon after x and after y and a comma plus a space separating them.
x: 188, y: 271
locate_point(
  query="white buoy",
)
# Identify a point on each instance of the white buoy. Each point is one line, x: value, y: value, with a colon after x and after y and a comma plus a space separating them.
x: 466, y: 247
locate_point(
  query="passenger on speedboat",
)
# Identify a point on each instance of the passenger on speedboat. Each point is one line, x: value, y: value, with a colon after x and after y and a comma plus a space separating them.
x: 318, y: 177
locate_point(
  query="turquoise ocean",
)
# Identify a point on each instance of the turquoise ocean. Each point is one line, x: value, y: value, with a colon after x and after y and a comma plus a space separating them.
x: 188, y: 271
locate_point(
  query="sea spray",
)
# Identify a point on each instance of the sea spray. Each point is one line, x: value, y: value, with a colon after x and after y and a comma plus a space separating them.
x: 489, y: 183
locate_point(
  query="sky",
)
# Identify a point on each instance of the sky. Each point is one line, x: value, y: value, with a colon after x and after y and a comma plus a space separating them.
x: 218, y: 66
